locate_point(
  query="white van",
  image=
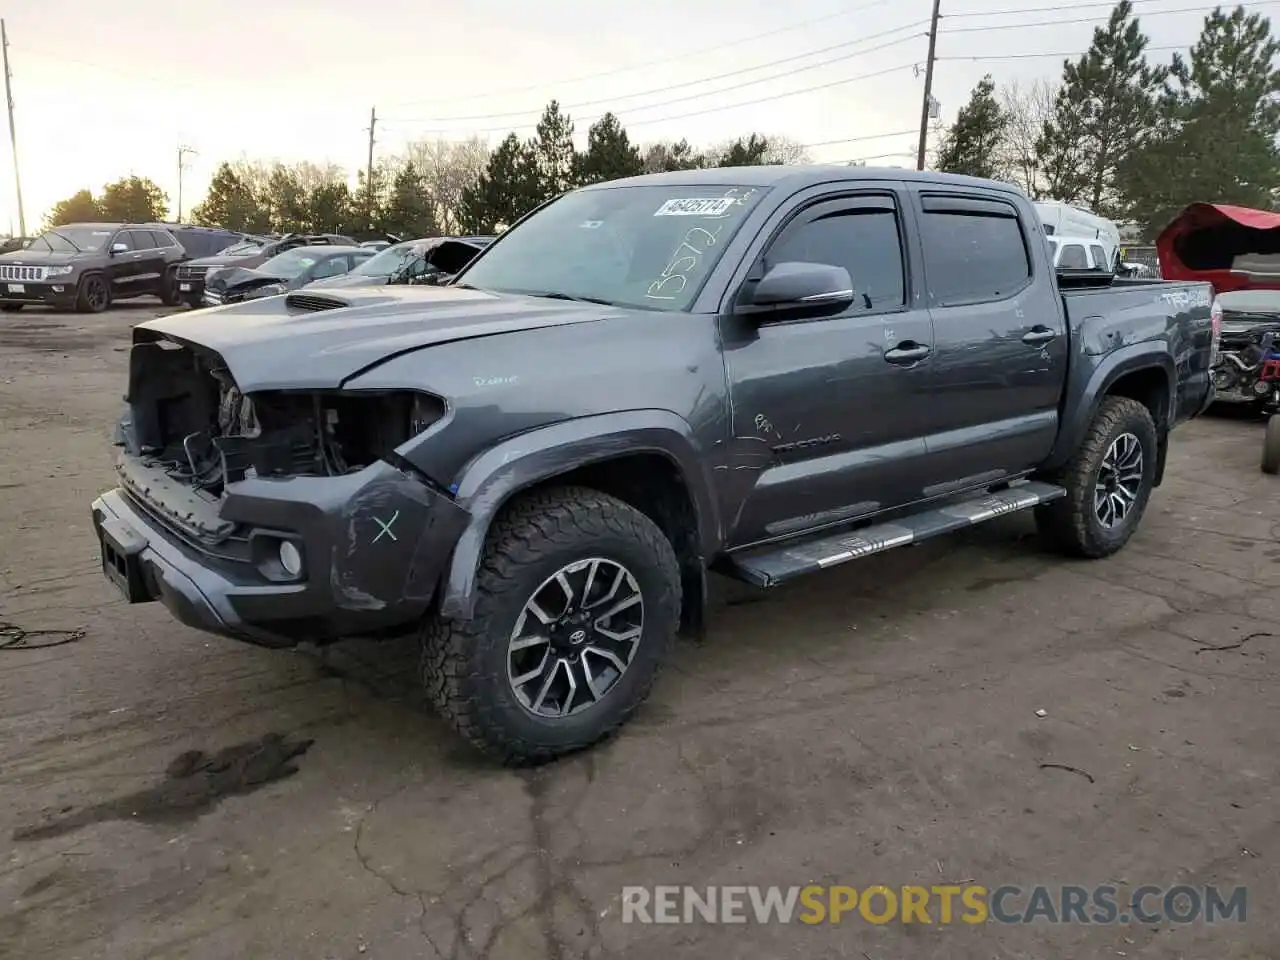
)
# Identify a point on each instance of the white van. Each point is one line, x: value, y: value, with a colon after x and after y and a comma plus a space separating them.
x: 1068, y: 220
x: 1080, y: 253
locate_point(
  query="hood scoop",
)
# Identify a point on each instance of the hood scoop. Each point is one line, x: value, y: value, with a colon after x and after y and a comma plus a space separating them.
x: 313, y: 302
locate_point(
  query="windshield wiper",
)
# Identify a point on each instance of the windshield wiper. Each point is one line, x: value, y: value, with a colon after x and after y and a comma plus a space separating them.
x: 556, y: 295
x: 68, y: 239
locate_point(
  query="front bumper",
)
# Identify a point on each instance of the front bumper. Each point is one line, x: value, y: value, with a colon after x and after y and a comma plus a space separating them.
x: 59, y: 292
x: 374, y: 545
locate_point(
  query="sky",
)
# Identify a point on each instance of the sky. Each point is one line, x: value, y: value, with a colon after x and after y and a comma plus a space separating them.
x: 103, y: 91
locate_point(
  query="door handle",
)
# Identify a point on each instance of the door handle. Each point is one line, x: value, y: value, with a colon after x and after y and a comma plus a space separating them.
x: 907, y: 352
x: 1039, y: 334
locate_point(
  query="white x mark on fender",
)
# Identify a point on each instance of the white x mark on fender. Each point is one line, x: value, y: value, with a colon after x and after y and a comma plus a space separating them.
x: 386, y: 527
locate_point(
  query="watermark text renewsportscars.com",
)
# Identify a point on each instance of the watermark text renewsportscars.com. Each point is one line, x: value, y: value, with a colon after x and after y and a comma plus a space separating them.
x: 941, y: 904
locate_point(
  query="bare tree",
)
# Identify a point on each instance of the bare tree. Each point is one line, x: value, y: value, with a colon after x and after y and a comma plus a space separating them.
x: 448, y: 168
x: 1028, y: 109
x: 786, y: 150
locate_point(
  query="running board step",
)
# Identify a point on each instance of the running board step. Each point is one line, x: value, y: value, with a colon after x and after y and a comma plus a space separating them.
x: 770, y: 566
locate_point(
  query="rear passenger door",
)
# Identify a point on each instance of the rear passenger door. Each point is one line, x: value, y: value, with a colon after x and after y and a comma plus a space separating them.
x: 1000, y: 343
x: 831, y: 401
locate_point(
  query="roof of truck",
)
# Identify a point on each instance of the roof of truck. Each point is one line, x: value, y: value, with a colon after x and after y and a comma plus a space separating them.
x: 797, y: 177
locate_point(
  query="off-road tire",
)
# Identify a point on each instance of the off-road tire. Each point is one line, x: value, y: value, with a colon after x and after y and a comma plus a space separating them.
x: 85, y: 303
x: 1070, y: 525
x: 464, y: 662
x: 168, y: 292
x: 12, y: 307
x: 1271, y: 446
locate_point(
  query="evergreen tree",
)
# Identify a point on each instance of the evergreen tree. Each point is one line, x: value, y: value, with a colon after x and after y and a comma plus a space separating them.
x: 509, y: 188
x: 1218, y: 125
x: 410, y: 210
x: 666, y: 157
x: 553, y: 152
x: 610, y: 154
x: 1102, y: 115
x: 285, y: 199
x: 749, y: 152
x: 80, y: 207
x: 975, y: 142
x: 231, y: 203
x: 330, y: 208
x: 133, y: 200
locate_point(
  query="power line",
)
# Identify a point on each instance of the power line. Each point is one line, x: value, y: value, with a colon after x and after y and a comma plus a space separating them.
x: 870, y: 136
x: 1066, y: 55
x: 1055, y: 8
x: 649, y: 63
x: 720, y: 76
x: 1058, y: 23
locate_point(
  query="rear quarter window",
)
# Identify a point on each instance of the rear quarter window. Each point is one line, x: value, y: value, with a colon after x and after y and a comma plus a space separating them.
x: 973, y: 257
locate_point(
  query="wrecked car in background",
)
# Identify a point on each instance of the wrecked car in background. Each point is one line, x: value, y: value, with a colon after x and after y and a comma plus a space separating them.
x: 430, y: 260
x: 1238, y: 251
x: 284, y: 272
x: 250, y: 251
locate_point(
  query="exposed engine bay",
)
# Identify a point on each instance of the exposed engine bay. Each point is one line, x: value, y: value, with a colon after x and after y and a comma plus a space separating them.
x: 188, y: 418
x: 1248, y: 366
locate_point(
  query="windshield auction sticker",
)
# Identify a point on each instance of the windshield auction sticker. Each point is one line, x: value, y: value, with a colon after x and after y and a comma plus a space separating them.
x: 696, y: 207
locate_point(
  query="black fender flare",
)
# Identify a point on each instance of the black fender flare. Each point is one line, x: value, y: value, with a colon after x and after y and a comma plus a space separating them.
x: 490, y: 479
x: 1151, y: 355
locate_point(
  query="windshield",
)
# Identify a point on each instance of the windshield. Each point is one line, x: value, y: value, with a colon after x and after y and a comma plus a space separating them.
x: 288, y: 265
x: 1251, y: 301
x: 72, y: 239
x: 640, y: 246
x: 387, y: 263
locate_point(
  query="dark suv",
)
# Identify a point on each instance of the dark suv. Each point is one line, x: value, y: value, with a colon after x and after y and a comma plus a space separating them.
x: 249, y: 252
x: 86, y: 266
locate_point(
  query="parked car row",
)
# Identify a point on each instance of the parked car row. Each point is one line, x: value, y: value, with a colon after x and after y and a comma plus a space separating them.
x: 87, y: 266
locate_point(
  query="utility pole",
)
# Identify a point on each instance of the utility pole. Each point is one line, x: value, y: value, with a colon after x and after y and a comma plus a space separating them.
x: 928, y: 87
x: 368, y: 174
x: 182, y: 156
x: 13, y: 133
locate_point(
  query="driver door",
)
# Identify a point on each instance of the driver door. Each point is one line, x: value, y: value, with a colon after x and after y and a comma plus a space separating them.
x: 834, y: 404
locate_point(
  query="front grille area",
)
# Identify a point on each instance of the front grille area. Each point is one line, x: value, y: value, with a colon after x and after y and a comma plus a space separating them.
x: 9, y: 272
x: 186, y: 272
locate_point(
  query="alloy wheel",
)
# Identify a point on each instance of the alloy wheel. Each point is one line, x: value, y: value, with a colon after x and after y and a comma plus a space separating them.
x: 575, y: 637
x: 1119, y: 482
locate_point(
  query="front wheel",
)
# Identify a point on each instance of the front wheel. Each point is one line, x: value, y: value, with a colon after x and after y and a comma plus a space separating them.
x: 168, y: 292
x: 1271, y: 446
x: 94, y: 295
x: 578, y: 600
x: 1108, y: 483
x: 12, y: 307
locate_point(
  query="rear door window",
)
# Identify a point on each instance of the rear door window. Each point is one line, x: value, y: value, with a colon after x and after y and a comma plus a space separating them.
x: 974, y: 250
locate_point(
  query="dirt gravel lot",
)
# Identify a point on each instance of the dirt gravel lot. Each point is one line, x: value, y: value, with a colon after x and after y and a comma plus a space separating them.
x: 169, y: 794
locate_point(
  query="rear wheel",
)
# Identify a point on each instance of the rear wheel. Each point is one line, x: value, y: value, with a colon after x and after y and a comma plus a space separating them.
x: 1271, y: 446
x: 578, y: 600
x: 1108, y: 483
x: 94, y: 295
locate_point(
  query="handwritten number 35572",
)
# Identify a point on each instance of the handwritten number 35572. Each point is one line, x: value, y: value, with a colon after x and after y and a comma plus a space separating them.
x: 675, y: 277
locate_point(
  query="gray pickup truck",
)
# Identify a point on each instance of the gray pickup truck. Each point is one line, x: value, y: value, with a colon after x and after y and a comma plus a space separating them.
x: 760, y: 372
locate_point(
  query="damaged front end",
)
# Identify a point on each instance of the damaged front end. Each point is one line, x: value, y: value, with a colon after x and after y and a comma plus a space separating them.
x: 277, y: 516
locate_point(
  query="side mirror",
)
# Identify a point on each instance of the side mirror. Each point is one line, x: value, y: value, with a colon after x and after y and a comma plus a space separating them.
x: 119, y: 248
x: 803, y: 285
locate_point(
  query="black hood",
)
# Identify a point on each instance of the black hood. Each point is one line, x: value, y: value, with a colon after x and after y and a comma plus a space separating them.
x: 240, y: 279
x: 48, y: 258
x: 278, y: 345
